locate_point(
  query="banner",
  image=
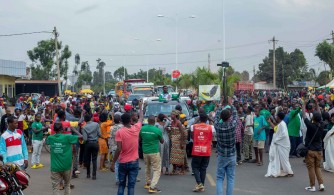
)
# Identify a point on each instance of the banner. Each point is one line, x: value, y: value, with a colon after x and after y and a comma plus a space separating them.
x: 209, y: 92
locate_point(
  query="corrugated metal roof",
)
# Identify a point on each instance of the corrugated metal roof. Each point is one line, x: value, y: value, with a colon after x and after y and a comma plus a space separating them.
x: 36, y: 82
x: 12, y: 68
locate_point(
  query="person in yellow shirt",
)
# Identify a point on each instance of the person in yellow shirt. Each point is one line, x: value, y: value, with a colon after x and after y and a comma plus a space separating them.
x: 103, y: 140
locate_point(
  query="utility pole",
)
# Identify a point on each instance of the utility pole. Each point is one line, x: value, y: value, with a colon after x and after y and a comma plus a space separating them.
x: 253, y: 74
x: 332, y: 37
x: 209, y: 61
x: 57, y: 60
x: 274, y: 61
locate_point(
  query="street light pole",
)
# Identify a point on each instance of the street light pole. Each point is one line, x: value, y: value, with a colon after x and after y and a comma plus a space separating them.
x: 176, y: 20
x: 176, y: 41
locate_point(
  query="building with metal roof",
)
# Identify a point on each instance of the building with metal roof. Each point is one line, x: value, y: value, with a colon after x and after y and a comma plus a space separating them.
x: 9, y: 72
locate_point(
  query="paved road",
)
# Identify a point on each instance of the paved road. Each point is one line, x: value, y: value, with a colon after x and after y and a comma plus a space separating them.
x: 249, y: 180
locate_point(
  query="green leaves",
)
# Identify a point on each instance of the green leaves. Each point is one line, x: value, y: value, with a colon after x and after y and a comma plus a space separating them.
x: 289, y: 67
x: 43, y: 58
x: 325, y: 52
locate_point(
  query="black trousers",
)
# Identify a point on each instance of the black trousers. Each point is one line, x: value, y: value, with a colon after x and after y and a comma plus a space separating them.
x: 199, y: 165
x: 238, y: 147
x: 91, y: 152
x: 82, y: 153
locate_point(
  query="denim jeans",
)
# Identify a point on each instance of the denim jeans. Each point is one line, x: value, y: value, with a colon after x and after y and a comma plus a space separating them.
x: 128, y: 171
x: 199, y: 165
x: 116, y: 167
x: 225, y: 166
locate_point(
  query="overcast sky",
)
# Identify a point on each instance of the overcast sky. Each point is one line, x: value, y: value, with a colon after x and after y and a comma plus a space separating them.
x: 109, y: 29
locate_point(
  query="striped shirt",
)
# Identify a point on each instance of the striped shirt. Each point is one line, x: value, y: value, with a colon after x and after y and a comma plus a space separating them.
x: 13, y: 147
x: 225, y: 132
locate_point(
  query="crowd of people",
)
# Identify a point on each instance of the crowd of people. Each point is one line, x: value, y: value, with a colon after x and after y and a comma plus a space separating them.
x: 80, y: 128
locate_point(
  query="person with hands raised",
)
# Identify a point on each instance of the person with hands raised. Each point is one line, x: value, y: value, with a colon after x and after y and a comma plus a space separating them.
x: 127, y: 140
x: 225, y: 130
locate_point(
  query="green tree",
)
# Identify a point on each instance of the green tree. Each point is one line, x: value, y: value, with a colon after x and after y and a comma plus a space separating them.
x: 323, y: 78
x: 85, y: 75
x: 244, y: 76
x: 289, y: 67
x: 119, y: 73
x: 325, y: 53
x: 43, y: 58
x: 77, y: 62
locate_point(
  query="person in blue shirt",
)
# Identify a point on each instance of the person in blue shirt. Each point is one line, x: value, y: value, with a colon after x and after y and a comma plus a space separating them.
x: 259, y: 137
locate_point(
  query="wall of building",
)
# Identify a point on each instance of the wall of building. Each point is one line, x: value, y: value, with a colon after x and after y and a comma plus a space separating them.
x: 7, y: 85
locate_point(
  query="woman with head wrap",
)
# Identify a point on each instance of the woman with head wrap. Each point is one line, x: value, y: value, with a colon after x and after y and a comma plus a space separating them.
x: 162, y: 124
x: 178, y: 140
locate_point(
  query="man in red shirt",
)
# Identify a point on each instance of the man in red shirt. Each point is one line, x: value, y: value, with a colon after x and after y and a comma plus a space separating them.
x: 202, y: 134
x: 127, y: 150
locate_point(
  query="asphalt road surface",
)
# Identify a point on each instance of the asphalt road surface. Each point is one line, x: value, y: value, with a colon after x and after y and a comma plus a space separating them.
x: 249, y: 180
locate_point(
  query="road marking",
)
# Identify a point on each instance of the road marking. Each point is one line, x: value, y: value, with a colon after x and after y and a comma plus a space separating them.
x: 213, y: 184
x: 211, y: 180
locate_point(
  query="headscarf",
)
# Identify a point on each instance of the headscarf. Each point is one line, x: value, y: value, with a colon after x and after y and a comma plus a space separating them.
x: 176, y: 112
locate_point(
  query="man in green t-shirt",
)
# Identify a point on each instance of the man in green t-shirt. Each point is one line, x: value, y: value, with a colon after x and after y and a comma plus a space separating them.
x: 61, y: 157
x: 151, y: 136
x: 37, y: 141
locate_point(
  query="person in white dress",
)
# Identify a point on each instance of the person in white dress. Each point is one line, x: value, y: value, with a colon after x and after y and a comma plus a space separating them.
x: 329, y: 151
x: 279, y: 165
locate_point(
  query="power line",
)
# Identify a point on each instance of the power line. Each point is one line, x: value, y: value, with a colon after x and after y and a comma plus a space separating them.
x: 173, y: 53
x: 28, y: 33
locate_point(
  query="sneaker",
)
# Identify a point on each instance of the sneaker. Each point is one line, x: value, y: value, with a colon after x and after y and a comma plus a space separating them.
x: 138, y: 180
x: 34, y: 166
x: 40, y: 165
x: 147, y: 186
x: 310, y: 189
x: 154, y: 190
x: 77, y: 172
x: 198, y: 188
x: 321, y: 187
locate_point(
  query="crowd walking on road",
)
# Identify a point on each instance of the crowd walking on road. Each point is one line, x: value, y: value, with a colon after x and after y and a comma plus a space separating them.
x: 81, y: 130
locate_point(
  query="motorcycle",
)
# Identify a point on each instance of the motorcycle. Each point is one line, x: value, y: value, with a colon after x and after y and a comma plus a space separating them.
x: 13, y: 179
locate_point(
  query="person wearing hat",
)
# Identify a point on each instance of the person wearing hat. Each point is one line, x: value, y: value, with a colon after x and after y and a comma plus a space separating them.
x: 127, y: 108
x: 18, y: 103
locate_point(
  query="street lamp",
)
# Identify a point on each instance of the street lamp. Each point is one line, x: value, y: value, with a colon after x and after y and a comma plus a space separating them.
x: 224, y: 65
x: 147, y: 56
x: 176, y: 20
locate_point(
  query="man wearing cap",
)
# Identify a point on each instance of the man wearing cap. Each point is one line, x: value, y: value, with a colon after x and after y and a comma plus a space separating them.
x: 127, y: 108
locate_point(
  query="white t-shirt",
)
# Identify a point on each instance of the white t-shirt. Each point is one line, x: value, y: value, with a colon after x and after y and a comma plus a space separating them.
x: 249, y: 121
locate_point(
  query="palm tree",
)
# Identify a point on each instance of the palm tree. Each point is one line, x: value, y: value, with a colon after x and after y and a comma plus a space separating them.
x: 77, y: 62
x: 313, y: 75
